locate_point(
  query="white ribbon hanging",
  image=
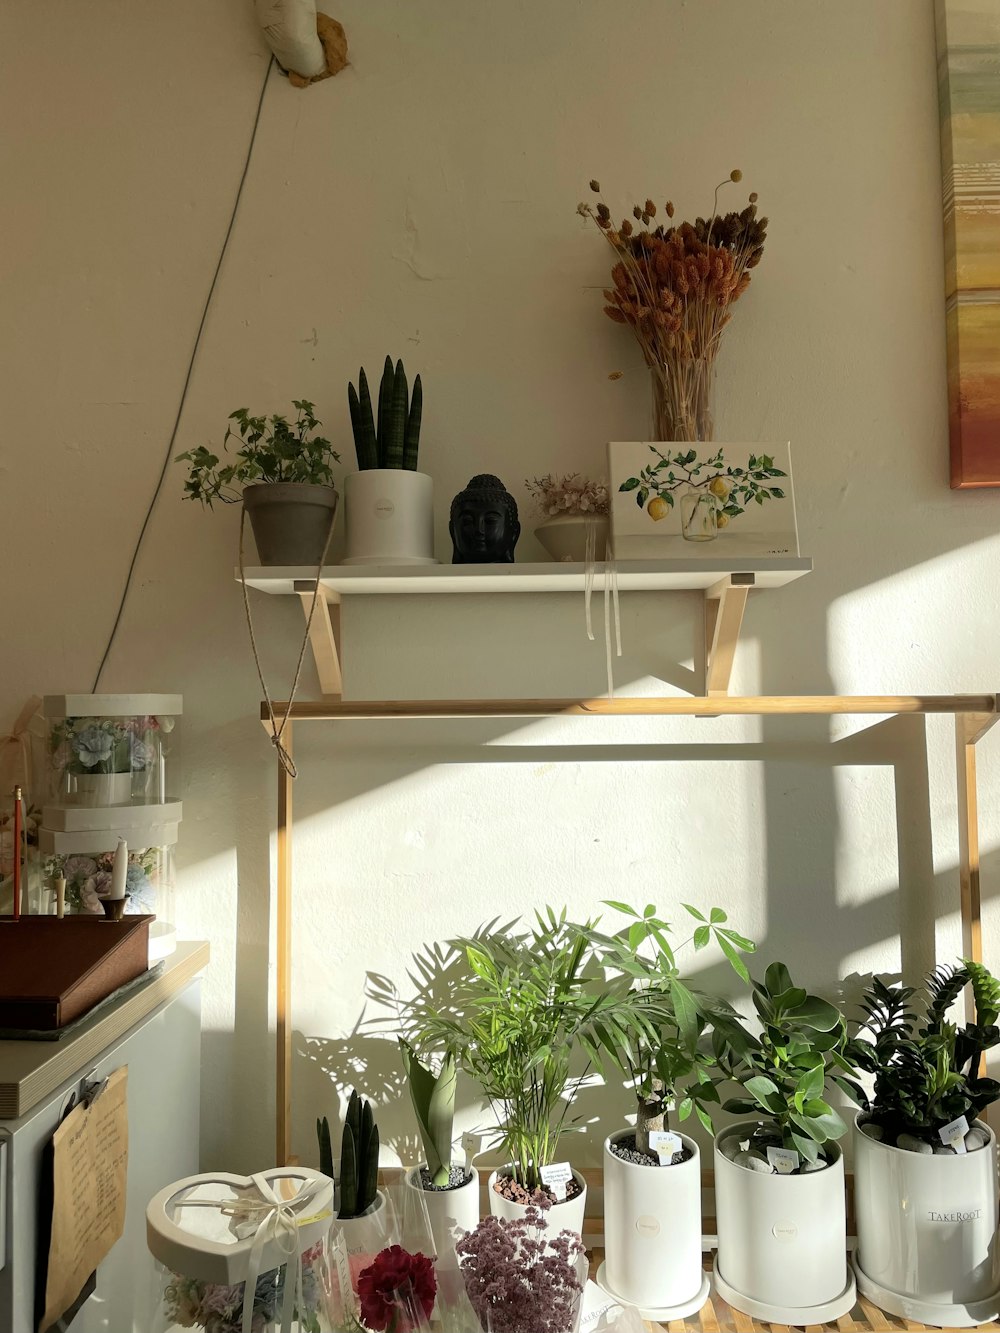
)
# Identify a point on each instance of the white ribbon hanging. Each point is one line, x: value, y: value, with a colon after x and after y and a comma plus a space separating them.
x: 279, y: 1223
x: 610, y: 598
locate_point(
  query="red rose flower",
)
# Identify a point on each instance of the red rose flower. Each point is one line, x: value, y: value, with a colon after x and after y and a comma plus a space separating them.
x: 397, y: 1290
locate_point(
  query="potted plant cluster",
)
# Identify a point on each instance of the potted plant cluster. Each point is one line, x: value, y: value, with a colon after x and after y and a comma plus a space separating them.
x: 779, y: 1176
x: 388, y: 504
x: 652, y: 1174
x: 530, y: 1002
x: 575, y: 509
x: 282, y: 472
x: 449, y: 1190
x: 925, y: 1176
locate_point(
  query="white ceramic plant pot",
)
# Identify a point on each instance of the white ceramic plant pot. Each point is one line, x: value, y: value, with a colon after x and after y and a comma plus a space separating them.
x: 388, y: 517
x: 782, y: 1251
x: 927, y: 1227
x: 365, y: 1234
x: 652, y: 1234
x: 565, y: 1216
x: 99, y: 789
x: 565, y: 536
x: 451, y: 1213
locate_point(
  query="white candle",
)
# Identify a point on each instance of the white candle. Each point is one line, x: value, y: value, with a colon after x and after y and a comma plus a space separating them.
x: 60, y: 896
x: 119, y: 871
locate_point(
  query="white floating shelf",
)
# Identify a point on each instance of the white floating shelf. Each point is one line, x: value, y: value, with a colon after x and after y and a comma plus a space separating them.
x: 688, y: 574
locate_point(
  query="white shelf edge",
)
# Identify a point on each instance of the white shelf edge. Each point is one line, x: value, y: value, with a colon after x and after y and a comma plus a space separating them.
x: 691, y: 574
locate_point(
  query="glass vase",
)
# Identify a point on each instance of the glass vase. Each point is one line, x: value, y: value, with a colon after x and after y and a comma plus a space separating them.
x: 699, y: 512
x: 682, y: 401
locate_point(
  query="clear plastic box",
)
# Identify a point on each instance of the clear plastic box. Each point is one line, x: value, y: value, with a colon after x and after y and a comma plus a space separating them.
x: 111, y: 749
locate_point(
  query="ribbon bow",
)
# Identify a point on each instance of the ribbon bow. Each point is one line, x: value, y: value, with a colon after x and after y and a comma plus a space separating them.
x: 279, y: 1222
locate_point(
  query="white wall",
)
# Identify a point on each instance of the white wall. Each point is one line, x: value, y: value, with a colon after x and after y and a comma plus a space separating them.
x: 423, y: 203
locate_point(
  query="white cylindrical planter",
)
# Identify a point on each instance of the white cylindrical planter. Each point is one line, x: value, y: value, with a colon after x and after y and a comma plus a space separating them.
x: 927, y: 1228
x: 652, y: 1234
x: 782, y: 1251
x: 565, y: 1216
x: 451, y: 1213
x: 388, y: 517
x: 366, y: 1234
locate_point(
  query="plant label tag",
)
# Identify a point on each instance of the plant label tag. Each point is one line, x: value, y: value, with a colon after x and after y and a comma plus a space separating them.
x: 347, y: 1300
x: 784, y: 1160
x: 472, y: 1143
x: 557, y: 1176
x: 953, y: 1135
x: 665, y: 1144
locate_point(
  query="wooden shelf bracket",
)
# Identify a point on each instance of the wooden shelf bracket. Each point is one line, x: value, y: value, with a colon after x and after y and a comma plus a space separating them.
x: 324, y: 635
x: 725, y: 603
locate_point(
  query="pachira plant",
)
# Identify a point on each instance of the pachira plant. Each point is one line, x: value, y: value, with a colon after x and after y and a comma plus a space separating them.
x: 433, y: 1098
x: 928, y: 1071
x: 785, y: 1071
x: 272, y: 449
x: 667, y: 1059
x: 529, y: 1004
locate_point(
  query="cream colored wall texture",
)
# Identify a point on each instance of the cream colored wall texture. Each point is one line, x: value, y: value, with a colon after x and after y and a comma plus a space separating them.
x: 423, y: 204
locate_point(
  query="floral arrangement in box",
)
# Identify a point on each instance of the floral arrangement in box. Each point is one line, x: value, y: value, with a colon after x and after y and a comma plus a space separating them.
x: 571, y: 495
x: 191, y: 1303
x: 674, y: 286
x: 520, y: 1279
x: 88, y: 879
x: 103, y: 744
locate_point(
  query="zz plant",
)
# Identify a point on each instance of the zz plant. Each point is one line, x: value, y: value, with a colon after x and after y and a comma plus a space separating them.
x: 928, y: 1071
x: 784, y: 1072
x: 358, y: 1157
x: 668, y: 1061
x: 391, y: 440
x: 272, y: 449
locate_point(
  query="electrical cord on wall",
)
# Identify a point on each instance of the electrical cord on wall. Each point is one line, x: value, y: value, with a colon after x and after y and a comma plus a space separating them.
x: 187, y: 381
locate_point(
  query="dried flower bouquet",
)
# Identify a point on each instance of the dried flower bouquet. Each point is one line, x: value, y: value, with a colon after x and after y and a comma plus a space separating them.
x: 675, y: 286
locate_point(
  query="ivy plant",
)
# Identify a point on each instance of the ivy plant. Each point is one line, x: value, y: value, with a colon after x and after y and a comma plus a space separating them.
x: 784, y: 1072
x: 272, y: 449
x: 928, y: 1071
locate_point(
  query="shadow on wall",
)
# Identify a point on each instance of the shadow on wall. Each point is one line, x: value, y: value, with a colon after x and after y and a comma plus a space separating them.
x: 800, y: 792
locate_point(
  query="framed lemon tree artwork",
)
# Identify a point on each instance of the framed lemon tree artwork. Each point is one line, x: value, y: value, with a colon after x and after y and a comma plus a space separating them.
x: 671, y: 500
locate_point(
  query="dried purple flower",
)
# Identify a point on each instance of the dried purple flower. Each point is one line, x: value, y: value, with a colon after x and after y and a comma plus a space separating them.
x: 520, y: 1279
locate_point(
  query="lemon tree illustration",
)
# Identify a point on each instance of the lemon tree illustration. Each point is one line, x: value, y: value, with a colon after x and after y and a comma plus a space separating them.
x: 734, y: 488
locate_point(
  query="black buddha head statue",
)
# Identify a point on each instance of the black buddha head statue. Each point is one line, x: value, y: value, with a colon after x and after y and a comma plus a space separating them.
x: 484, y: 526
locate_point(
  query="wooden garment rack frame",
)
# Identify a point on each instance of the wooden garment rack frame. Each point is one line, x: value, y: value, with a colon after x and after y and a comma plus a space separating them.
x: 974, y: 715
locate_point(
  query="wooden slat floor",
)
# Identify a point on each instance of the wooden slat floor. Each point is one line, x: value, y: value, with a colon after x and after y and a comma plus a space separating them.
x: 716, y: 1316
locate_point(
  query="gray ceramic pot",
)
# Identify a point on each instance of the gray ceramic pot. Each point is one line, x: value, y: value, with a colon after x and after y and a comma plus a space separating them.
x: 291, y: 521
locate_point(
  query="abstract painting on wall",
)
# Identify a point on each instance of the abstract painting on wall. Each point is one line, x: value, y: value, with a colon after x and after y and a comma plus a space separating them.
x: 968, y: 52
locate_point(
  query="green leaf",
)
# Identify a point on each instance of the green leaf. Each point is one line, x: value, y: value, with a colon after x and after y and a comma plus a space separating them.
x: 811, y: 1083
x: 717, y: 915
x: 620, y: 907
x: 693, y: 910
x: 629, y: 485
x: 702, y: 935
x: 760, y: 1088
x: 777, y: 979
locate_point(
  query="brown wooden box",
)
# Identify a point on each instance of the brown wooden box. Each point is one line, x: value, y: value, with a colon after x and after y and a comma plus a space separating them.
x: 52, y: 970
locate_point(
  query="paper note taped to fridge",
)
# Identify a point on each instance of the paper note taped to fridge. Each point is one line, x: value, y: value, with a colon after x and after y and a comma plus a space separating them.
x: 90, y: 1167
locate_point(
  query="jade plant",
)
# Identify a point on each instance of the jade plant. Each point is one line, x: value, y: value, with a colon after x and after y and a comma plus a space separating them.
x: 392, y: 439
x: 928, y: 1071
x: 668, y: 1061
x: 433, y: 1098
x: 272, y: 449
x: 785, y: 1072
x: 358, y: 1183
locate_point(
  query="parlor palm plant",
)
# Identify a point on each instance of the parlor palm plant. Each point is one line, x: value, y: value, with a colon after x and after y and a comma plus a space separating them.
x: 530, y: 1001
